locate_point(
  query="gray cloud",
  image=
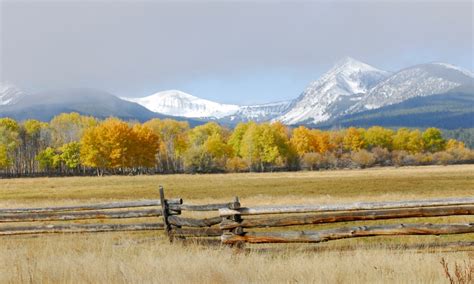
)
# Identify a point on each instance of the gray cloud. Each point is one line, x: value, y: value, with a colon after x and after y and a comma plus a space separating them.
x: 135, y: 47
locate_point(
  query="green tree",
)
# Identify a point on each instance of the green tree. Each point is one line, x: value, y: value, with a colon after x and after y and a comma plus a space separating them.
x: 379, y: 137
x: 406, y: 140
x: 9, y: 142
x: 71, y: 155
x: 48, y: 159
x: 208, y: 148
x: 235, y: 139
x: 433, y: 140
x: 265, y: 146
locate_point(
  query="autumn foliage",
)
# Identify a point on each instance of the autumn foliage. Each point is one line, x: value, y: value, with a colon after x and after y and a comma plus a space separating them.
x: 72, y: 144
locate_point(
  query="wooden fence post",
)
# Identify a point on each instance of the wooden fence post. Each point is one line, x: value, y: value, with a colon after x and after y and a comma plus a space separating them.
x: 165, y: 213
x: 235, y: 218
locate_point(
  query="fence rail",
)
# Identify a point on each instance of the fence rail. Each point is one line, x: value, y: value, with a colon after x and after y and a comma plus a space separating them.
x: 100, y: 206
x: 232, y: 221
x: 345, y: 207
x: 348, y: 232
x: 333, y: 217
x: 236, y: 221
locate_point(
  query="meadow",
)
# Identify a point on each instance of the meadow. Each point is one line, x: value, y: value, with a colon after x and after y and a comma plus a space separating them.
x: 147, y: 257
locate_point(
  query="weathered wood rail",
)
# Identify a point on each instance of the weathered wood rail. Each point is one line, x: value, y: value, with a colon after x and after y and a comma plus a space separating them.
x: 349, y: 232
x: 232, y: 222
x: 162, y: 214
x: 235, y: 222
x: 112, y: 205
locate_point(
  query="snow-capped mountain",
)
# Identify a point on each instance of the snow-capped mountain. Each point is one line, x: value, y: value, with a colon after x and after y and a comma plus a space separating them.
x: 259, y: 113
x: 177, y: 103
x: 416, y: 81
x: 334, y: 93
x: 349, y: 87
x: 351, y: 93
x: 9, y: 94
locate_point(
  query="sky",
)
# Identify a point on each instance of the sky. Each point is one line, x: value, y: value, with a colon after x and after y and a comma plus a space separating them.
x: 241, y: 52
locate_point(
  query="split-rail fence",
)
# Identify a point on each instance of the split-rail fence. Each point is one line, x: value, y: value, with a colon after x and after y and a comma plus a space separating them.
x: 236, y: 225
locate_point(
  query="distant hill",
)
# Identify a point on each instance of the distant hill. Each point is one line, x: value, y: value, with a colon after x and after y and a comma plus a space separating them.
x: 451, y: 110
x: 44, y: 106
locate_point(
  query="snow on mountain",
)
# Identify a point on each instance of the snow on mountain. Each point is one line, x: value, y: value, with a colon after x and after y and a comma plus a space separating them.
x: 416, y: 81
x: 335, y: 92
x: 457, y: 68
x: 259, y: 113
x: 177, y: 103
x: 9, y: 94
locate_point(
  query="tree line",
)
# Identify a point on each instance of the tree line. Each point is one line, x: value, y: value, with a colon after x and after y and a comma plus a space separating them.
x: 73, y: 144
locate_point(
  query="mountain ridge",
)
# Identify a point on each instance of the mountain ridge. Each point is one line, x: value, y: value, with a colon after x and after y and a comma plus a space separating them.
x: 334, y: 92
x: 348, y: 88
x: 414, y: 81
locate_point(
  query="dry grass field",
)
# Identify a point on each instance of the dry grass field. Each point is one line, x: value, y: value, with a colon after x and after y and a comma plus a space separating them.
x: 146, y: 257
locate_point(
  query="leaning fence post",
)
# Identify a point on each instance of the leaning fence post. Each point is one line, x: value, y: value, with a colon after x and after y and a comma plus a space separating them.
x: 165, y: 213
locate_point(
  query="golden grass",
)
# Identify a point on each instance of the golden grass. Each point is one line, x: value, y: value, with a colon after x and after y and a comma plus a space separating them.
x: 253, y: 188
x: 146, y: 257
x: 117, y: 258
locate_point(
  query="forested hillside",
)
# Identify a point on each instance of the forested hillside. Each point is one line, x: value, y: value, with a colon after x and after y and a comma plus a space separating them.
x: 466, y: 135
x: 72, y: 144
x: 448, y: 111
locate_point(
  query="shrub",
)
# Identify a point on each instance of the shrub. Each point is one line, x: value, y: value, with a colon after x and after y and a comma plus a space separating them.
x: 345, y: 161
x: 363, y: 158
x: 443, y: 158
x: 313, y: 161
x: 236, y: 164
x: 382, y: 156
x: 461, y: 154
x: 403, y: 158
x: 423, y: 158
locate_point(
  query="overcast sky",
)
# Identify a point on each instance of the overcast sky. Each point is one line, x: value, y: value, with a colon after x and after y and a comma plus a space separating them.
x: 229, y: 51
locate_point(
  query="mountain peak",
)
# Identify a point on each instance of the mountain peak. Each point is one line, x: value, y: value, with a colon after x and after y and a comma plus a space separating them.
x: 174, y: 93
x: 178, y: 103
x: 347, y: 60
x: 332, y: 94
x: 350, y: 65
x: 9, y: 94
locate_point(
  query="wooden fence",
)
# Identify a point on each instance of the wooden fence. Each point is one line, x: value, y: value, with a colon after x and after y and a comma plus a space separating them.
x: 236, y: 222
x: 163, y: 214
x: 233, y: 224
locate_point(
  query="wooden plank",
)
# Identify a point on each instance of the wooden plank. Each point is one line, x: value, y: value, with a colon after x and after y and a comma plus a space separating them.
x: 190, y: 222
x: 81, y: 215
x: 113, y: 205
x: 82, y: 228
x: 205, y: 207
x: 193, y: 232
x: 348, y: 232
x: 332, y: 217
x: 346, y: 207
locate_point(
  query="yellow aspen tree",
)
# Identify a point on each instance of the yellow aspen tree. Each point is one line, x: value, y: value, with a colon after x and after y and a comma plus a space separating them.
x: 353, y: 139
x: 145, y: 146
x: 377, y: 136
x: 302, y: 140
